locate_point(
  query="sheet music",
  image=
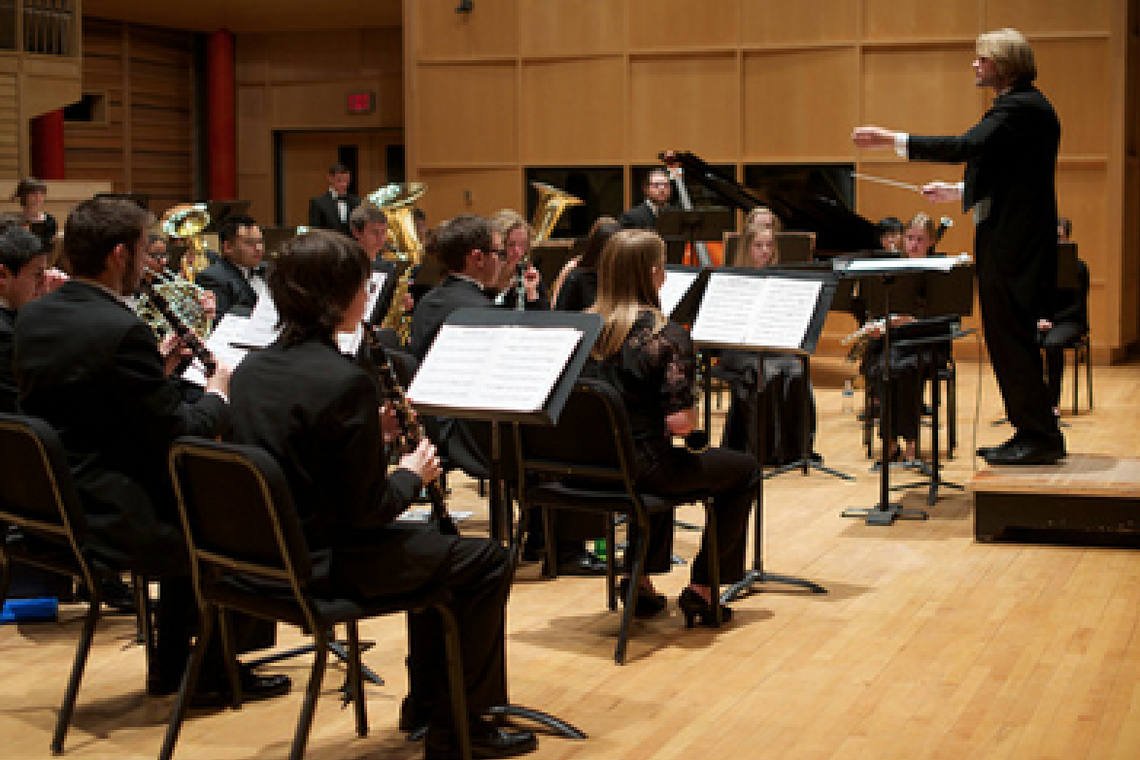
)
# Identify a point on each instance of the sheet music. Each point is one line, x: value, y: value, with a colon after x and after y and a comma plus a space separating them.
x: 230, y: 341
x: 931, y: 264
x: 506, y: 368
x: 349, y: 342
x: 766, y: 312
x: 261, y: 329
x: 677, y: 284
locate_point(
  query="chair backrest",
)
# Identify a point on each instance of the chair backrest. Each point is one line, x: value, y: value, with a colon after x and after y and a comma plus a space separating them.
x: 237, y: 513
x: 36, y: 491
x: 592, y: 439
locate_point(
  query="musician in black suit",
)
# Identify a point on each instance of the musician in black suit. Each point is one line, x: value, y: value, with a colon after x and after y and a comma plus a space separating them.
x: 1011, y: 157
x: 1067, y: 323
x: 89, y: 367
x: 318, y: 413
x: 657, y: 190
x: 331, y: 210
x: 23, y: 278
x: 236, y: 278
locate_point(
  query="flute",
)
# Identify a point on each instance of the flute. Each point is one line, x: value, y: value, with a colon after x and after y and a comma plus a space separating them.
x: 411, y: 430
x: 188, y: 337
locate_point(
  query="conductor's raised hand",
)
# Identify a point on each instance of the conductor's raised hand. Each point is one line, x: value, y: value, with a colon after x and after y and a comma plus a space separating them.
x: 873, y: 137
x: 423, y: 461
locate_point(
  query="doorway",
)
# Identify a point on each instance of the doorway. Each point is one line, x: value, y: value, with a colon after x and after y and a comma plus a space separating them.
x: 375, y: 158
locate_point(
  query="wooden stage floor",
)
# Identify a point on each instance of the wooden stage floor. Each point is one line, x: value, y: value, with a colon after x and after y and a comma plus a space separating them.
x: 928, y: 646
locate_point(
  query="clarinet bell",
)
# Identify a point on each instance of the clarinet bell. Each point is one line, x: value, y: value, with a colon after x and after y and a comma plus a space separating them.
x: 697, y: 441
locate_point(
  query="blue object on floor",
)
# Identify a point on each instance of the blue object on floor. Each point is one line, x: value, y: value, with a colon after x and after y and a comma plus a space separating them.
x: 30, y: 610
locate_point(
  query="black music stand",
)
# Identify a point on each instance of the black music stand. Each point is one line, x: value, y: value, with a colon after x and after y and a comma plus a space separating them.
x: 393, y: 270
x: 680, y: 226
x: 549, y: 257
x: 888, y: 277
x: 275, y: 237
x: 761, y: 294
x: 472, y: 365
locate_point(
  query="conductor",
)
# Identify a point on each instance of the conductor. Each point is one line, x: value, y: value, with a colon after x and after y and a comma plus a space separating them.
x: 1010, y: 157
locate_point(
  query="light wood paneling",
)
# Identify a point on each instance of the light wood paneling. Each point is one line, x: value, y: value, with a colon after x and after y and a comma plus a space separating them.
x: 254, y: 151
x: 1034, y: 16
x: 784, y: 115
x: 9, y: 127
x: 563, y: 27
x: 780, y: 22
x: 324, y: 105
x: 474, y: 191
x: 490, y: 30
x: 1074, y: 75
x: 921, y: 90
x: 904, y: 19
x: 467, y: 113
x: 658, y: 24
x: 684, y: 103
x: 571, y: 111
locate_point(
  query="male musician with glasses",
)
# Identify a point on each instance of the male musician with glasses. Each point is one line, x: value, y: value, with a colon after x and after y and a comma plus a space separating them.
x: 236, y: 278
x: 92, y: 369
x: 331, y: 210
x: 658, y: 191
x: 1010, y: 185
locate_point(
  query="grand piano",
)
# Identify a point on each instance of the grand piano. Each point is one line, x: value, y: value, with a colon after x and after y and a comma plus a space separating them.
x: 804, y: 199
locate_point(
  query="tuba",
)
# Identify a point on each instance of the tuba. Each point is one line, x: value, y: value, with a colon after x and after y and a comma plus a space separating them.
x: 185, y: 224
x: 396, y: 200
x: 551, y: 203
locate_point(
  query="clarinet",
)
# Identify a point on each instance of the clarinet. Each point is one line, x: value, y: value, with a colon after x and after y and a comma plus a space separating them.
x: 411, y: 431
x: 188, y: 337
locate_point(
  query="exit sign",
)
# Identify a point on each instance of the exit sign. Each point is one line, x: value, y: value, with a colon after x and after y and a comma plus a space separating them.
x: 361, y: 102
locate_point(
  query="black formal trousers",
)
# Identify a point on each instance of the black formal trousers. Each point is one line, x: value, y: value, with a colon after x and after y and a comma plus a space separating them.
x: 731, y: 478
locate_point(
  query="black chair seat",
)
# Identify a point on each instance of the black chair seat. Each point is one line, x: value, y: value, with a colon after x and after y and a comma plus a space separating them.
x: 564, y: 496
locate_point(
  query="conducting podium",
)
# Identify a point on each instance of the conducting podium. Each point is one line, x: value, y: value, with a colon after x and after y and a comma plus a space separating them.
x: 763, y: 311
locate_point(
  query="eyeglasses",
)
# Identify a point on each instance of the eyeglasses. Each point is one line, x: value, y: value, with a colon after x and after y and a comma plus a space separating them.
x: 499, y: 253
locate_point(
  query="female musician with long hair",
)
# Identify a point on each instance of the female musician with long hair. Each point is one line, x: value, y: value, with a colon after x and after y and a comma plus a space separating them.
x: 577, y: 284
x: 319, y: 415
x: 650, y: 361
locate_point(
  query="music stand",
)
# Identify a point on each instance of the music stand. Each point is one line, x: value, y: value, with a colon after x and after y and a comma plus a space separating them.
x: 393, y: 270
x: 275, y: 237
x: 452, y: 382
x: 704, y: 225
x: 549, y: 257
x: 739, y: 309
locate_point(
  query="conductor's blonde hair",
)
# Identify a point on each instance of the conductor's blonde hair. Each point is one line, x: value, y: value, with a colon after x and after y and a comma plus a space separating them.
x: 1010, y: 52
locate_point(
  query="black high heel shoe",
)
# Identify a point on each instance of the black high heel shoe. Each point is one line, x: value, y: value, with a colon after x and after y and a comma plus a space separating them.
x: 694, y: 607
x: 648, y: 603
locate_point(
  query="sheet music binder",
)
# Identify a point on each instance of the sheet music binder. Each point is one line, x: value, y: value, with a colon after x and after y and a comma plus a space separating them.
x: 590, y: 325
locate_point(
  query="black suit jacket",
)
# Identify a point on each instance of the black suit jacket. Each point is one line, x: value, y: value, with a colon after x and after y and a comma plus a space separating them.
x: 91, y: 369
x: 228, y: 285
x: 315, y: 411
x: 7, y: 370
x: 1011, y: 157
x: 323, y: 213
x: 639, y: 217
x: 435, y: 307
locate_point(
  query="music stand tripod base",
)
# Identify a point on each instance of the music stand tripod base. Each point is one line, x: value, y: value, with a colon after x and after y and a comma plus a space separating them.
x: 880, y: 515
x: 752, y: 577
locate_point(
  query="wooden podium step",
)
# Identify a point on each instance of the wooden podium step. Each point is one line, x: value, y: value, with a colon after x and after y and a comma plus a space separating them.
x: 1090, y: 494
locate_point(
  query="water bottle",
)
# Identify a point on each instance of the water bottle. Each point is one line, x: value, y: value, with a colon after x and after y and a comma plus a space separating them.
x: 848, y: 396
x: 600, y: 548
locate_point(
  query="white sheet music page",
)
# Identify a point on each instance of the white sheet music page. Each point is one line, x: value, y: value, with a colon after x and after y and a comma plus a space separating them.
x: 928, y: 264
x: 230, y: 341
x: 765, y: 312
x: 349, y: 342
x: 677, y: 284
x: 505, y: 368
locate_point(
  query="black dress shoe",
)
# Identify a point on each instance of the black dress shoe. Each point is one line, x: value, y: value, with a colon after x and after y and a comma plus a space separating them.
x: 1026, y: 453
x: 253, y: 688
x: 648, y: 603
x: 414, y: 715
x: 985, y: 451
x: 487, y: 741
x: 582, y: 564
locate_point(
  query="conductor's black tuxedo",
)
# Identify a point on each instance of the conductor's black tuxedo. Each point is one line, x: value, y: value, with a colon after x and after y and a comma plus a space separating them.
x: 316, y: 412
x: 228, y: 284
x: 323, y: 212
x: 1011, y: 157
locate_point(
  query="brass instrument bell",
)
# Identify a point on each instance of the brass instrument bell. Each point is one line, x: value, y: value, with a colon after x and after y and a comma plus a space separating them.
x: 186, y: 222
x: 551, y: 203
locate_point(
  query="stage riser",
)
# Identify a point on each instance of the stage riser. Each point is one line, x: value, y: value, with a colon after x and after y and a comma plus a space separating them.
x: 998, y: 514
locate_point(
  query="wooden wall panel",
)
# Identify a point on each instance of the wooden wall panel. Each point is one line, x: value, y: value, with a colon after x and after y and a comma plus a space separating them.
x: 684, y: 103
x: 9, y: 127
x: 473, y: 191
x: 492, y: 30
x: 906, y: 19
x: 781, y: 22
x: 1082, y: 101
x: 570, y: 111
x: 657, y: 24
x: 254, y: 151
x: 785, y: 116
x: 921, y: 90
x: 1033, y: 16
x: 467, y: 113
x: 571, y: 27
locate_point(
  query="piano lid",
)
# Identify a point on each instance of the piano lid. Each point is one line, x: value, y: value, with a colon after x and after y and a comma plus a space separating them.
x: 804, y: 197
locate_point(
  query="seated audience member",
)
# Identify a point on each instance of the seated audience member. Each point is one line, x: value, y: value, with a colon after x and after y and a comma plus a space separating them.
x: 1068, y: 322
x: 90, y: 368
x: 320, y: 416
x: 650, y: 361
x: 236, y: 278
x: 776, y: 380
x: 577, y: 284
